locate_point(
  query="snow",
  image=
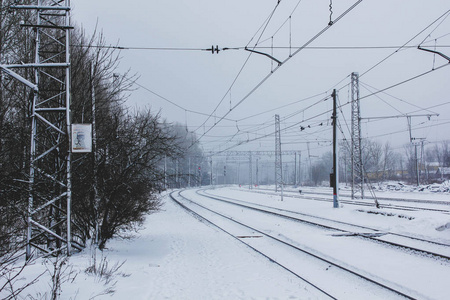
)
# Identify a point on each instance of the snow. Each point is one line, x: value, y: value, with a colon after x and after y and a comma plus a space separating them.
x: 177, y: 256
x: 417, y: 277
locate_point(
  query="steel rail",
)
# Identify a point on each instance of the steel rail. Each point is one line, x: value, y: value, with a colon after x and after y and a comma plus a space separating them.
x: 200, y: 217
x: 367, y: 236
x: 384, y: 286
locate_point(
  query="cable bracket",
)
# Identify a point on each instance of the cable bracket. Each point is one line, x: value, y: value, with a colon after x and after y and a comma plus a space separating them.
x: 265, y: 54
x: 435, y: 52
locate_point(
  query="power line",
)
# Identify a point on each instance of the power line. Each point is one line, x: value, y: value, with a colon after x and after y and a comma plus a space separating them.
x: 286, y: 60
x: 405, y: 81
x: 284, y: 23
x: 397, y: 98
x: 387, y: 103
x: 256, y: 47
x: 340, y: 106
x: 328, y: 111
x: 299, y: 48
x: 240, y: 71
x: 406, y: 130
x: 143, y: 48
x: 270, y: 123
x: 404, y: 45
x: 167, y: 100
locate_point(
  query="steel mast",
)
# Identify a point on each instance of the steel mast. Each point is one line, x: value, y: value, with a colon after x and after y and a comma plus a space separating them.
x: 278, y: 162
x: 356, y: 151
x: 50, y: 191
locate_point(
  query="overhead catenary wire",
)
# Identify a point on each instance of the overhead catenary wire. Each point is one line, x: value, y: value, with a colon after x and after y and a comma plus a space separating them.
x: 117, y: 47
x: 304, y: 47
x: 215, y: 125
x: 437, y: 26
x: 384, y: 101
x: 404, y: 45
x: 266, y: 22
x: 288, y: 19
x: 406, y: 130
x: 261, y: 82
x: 240, y: 143
x: 273, y: 132
x: 168, y: 100
x: 276, y: 68
x: 342, y: 105
x: 406, y: 81
x: 399, y: 99
x: 270, y: 123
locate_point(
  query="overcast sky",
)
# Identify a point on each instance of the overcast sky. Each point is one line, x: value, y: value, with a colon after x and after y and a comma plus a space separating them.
x: 199, y: 81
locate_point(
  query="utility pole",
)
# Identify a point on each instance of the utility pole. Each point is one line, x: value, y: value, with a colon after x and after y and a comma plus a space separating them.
x: 189, y: 172
x: 176, y: 174
x: 278, y: 162
x: 250, y: 170
x: 225, y: 174
x: 239, y: 173
x: 295, y: 169
x: 211, y: 175
x: 257, y: 172
x: 413, y: 141
x: 310, y: 162
x: 165, y: 171
x: 417, y: 164
x: 335, y: 177
x: 299, y: 168
x: 217, y: 174
x: 94, y: 156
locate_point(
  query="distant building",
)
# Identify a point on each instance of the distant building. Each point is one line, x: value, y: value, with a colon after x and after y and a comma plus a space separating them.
x: 443, y: 172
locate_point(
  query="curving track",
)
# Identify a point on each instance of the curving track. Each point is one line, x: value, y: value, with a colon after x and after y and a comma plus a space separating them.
x: 411, y: 243
x: 385, y: 202
x: 334, y: 277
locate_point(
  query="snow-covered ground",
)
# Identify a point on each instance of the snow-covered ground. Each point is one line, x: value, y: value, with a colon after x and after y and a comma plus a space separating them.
x: 389, y: 189
x: 176, y: 256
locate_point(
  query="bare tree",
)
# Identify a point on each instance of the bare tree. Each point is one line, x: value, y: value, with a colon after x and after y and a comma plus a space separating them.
x: 388, y: 161
x: 445, y: 153
x: 15, y: 47
x: 117, y: 184
x: 410, y: 161
x: 183, y: 166
x: 11, y: 282
x: 372, y: 156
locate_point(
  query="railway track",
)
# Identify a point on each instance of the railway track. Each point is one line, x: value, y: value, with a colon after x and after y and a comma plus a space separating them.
x: 406, y: 242
x: 317, y: 196
x: 321, y: 268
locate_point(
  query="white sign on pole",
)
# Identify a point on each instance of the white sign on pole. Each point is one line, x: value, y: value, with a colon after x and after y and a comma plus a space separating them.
x: 81, y: 138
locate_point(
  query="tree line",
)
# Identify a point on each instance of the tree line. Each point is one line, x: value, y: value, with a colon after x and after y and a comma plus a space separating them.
x: 115, y: 186
x: 382, y: 162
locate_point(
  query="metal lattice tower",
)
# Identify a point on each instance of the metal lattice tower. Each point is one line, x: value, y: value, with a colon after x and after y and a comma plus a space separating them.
x: 356, y: 151
x: 49, y: 202
x: 278, y: 162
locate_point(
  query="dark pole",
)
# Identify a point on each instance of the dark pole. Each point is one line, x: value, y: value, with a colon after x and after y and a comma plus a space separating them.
x: 335, y: 155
